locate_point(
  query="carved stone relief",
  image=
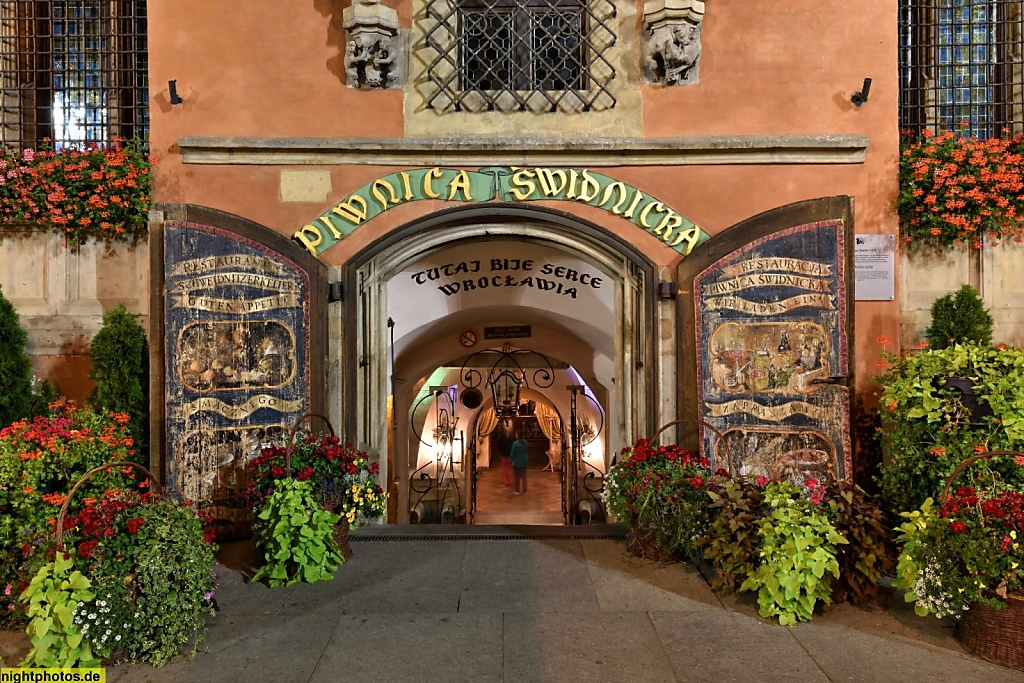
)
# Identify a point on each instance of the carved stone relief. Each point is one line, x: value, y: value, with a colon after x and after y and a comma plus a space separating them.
x: 372, y: 45
x: 672, y: 50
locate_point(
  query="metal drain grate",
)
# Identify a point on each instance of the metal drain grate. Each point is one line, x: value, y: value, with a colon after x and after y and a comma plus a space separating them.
x: 407, y: 533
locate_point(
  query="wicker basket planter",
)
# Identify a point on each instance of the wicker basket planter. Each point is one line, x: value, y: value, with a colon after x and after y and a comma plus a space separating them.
x: 996, y: 635
x: 647, y: 543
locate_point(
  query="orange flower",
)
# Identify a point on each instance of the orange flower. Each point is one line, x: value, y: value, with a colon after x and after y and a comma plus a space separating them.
x: 884, y: 340
x: 978, y: 448
x: 54, y: 498
x: 923, y: 344
x: 892, y: 405
x: 937, y: 451
x: 27, y: 489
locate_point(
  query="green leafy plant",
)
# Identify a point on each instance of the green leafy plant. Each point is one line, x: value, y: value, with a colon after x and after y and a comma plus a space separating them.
x: 662, y: 492
x: 869, y: 553
x: 52, y: 598
x: 15, y: 366
x: 120, y: 368
x: 798, y: 550
x: 959, y: 317
x: 343, y: 478
x: 297, y: 538
x: 152, y: 572
x: 93, y: 193
x: 956, y: 189
x: 927, y: 427
x: 732, y: 545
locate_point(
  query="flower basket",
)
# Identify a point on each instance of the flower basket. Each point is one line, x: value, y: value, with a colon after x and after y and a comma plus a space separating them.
x: 145, y: 573
x: 329, y: 501
x: 662, y: 490
x: 62, y: 515
x: 996, y: 635
x: 648, y: 543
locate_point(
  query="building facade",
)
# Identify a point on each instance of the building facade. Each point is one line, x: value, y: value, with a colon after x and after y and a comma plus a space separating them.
x: 437, y: 222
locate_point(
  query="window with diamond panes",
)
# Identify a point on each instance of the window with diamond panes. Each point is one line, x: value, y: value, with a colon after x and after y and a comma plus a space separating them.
x: 73, y: 72
x: 508, y: 55
x: 960, y: 66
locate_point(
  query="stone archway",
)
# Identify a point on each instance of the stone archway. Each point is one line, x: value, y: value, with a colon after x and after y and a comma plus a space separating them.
x: 363, y: 326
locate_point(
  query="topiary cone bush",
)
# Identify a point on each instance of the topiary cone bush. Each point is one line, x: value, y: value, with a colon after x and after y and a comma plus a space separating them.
x: 120, y: 368
x: 15, y: 366
x: 959, y: 317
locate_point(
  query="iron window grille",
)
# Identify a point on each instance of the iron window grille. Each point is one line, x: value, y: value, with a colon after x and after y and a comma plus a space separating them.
x: 526, y: 55
x: 960, y: 66
x: 73, y: 72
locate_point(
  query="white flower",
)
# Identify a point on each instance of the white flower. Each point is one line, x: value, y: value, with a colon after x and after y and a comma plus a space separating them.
x: 117, y: 637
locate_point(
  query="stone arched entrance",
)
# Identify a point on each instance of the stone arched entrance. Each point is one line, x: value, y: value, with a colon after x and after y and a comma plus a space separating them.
x: 531, y: 279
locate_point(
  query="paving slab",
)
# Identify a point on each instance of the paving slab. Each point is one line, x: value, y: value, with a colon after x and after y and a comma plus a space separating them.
x: 411, y: 576
x: 567, y: 648
x: 846, y: 654
x: 720, y: 646
x: 526, y: 576
x: 453, y: 648
x: 244, y: 649
x: 624, y: 583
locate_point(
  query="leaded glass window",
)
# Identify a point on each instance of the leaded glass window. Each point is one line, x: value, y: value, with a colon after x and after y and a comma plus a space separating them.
x: 72, y: 71
x: 960, y: 66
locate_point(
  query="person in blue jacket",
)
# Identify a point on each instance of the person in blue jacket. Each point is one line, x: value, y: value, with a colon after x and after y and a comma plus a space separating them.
x: 519, y: 454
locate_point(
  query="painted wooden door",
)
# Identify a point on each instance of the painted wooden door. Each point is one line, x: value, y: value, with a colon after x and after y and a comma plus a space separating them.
x: 769, y: 307
x: 243, y: 354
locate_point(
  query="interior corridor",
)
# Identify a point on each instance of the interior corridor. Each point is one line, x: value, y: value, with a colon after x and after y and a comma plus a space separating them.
x: 496, y: 504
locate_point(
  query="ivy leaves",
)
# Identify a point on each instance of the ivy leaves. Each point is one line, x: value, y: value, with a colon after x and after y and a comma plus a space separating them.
x: 298, y: 537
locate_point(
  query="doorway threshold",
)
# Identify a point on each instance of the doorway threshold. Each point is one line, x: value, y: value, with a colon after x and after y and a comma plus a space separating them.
x: 517, y: 518
x: 380, y: 533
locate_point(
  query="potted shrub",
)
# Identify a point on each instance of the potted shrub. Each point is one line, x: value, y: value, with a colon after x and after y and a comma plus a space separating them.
x: 661, y: 491
x: 964, y: 559
x: 959, y: 317
x: 120, y: 368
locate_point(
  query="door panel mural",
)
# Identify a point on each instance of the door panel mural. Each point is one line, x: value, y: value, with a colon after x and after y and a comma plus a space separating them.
x: 771, y: 324
x: 237, y: 360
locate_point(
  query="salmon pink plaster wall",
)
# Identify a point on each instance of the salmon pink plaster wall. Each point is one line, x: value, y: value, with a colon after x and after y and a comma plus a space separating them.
x: 275, y: 69
x: 255, y: 69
